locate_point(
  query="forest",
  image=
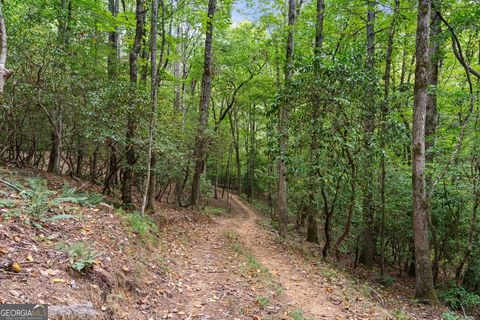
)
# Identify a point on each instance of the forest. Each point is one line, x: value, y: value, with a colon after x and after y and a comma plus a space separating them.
x: 351, y: 125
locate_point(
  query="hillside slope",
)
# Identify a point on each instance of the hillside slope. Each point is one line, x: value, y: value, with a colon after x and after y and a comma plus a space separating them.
x: 67, y: 247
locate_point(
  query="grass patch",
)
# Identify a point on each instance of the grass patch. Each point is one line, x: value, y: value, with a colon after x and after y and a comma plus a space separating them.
x: 400, y: 315
x: 297, y: 314
x: 214, y: 211
x: 255, y: 265
x: 263, y: 302
x: 140, y: 224
x: 231, y: 235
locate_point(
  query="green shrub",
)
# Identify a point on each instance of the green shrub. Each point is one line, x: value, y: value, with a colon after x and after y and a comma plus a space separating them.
x: 40, y: 200
x: 263, y: 302
x: 85, y: 199
x: 472, y: 276
x: 206, y: 188
x: 7, y: 203
x: 213, y: 211
x: 387, y: 281
x: 141, y: 224
x: 297, y: 314
x: 81, y: 255
x: 454, y: 316
x: 457, y: 298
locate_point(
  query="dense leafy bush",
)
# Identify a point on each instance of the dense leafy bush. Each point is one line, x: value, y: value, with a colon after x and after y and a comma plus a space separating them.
x: 457, y: 298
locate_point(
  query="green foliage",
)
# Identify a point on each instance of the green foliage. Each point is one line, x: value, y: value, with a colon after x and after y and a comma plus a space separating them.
x: 388, y: 280
x: 214, y: 211
x: 206, y: 187
x: 63, y: 81
x: 457, y: 298
x: 400, y: 315
x: 471, y: 279
x: 454, y: 316
x: 140, y: 224
x: 85, y: 199
x: 255, y: 265
x: 7, y: 203
x: 298, y: 314
x: 40, y: 200
x: 81, y: 255
x: 263, y: 302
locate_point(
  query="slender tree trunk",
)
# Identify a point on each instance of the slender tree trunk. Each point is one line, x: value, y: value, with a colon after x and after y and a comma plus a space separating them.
x: 460, y: 270
x: 177, y: 102
x: 327, y: 212
x: 112, y: 69
x: 312, y: 233
x: 80, y: 160
x: 424, y: 289
x: 367, y: 254
x: 431, y: 118
x: 201, y: 139
x: 4, y: 72
x: 283, y: 123
x: 57, y: 121
x: 94, y: 164
x: 385, y: 111
x: 251, y: 171
x: 130, y: 157
x: 233, y: 117
x: 112, y: 168
x: 114, y: 40
x: 152, y: 187
x: 150, y: 181
x: 351, y: 205
x: 56, y: 147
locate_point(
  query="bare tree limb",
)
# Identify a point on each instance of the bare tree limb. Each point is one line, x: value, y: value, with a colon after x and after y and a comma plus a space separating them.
x: 457, y: 49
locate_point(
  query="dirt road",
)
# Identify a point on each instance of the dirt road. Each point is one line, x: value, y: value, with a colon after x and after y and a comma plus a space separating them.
x: 233, y: 268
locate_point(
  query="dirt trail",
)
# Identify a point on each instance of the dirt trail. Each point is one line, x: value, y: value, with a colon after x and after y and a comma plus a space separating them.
x: 303, y: 288
x: 212, y: 280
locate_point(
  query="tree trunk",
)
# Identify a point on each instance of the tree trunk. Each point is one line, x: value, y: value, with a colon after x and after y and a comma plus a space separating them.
x: 367, y: 254
x: 312, y: 233
x: 56, y: 147
x: 327, y: 212
x: 424, y: 289
x: 114, y: 40
x: 93, y: 166
x: 201, y: 139
x: 4, y: 72
x: 351, y: 205
x: 384, y: 114
x: 130, y: 158
x: 112, y: 66
x: 283, y: 123
x: 150, y: 206
x: 80, y: 160
x: 431, y: 116
x: 251, y: 170
x: 233, y: 119
x: 150, y: 181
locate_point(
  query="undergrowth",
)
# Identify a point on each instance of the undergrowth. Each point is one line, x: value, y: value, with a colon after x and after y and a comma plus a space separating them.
x: 81, y: 256
x: 142, y: 225
x: 39, y: 202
